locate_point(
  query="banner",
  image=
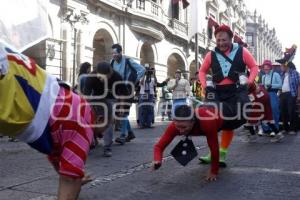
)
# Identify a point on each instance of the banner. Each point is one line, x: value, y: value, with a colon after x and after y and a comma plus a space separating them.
x: 23, y: 23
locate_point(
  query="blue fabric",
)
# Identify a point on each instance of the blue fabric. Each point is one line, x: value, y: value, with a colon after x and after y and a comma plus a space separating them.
x: 125, y: 127
x: 44, y: 144
x: 294, y: 81
x: 275, y: 111
x: 32, y: 95
x: 225, y: 65
x: 146, y: 111
x: 120, y: 67
x: 275, y: 107
x: 276, y: 80
x: 82, y: 84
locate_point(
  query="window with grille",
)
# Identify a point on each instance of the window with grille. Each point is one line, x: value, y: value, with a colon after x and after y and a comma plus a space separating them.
x: 249, y: 39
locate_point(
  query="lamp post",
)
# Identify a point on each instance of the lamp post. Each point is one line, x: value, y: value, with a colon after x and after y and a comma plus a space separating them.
x: 73, y: 17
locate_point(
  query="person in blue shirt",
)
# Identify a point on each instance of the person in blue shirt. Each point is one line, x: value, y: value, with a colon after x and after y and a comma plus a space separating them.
x: 126, y: 67
x: 272, y: 82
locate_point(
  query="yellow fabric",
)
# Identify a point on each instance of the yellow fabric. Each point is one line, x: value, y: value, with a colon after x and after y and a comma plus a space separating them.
x: 197, y: 89
x: 16, y: 112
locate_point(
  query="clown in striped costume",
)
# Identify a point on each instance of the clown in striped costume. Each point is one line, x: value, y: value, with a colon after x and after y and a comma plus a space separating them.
x: 36, y: 109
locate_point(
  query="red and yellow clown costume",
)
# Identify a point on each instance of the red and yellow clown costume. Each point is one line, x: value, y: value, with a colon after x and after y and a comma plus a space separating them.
x: 37, y: 110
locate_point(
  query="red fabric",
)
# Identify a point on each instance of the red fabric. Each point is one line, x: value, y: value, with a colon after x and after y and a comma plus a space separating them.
x: 224, y: 28
x: 72, y: 146
x: 212, y: 23
x: 260, y: 96
x: 31, y: 67
x: 267, y: 62
x: 70, y: 125
x: 71, y: 132
x: 67, y: 166
x: 203, y: 126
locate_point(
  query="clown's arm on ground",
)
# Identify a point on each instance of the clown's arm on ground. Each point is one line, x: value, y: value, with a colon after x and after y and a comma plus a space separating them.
x: 163, y: 142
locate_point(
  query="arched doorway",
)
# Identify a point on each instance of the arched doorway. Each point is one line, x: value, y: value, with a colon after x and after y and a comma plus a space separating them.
x: 147, y: 55
x: 175, y: 62
x: 102, y: 43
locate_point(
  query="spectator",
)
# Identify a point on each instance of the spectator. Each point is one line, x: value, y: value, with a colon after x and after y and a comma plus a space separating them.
x: 180, y: 89
x: 85, y: 68
x: 271, y: 80
x: 289, y: 92
x: 104, y: 87
x: 147, y: 98
x: 131, y: 73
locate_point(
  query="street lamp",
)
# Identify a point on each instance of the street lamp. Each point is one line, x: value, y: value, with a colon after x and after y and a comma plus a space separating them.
x: 73, y: 17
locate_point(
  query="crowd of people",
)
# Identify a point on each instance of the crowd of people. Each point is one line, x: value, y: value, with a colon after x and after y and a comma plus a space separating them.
x: 64, y: 122
x: 232, y: 97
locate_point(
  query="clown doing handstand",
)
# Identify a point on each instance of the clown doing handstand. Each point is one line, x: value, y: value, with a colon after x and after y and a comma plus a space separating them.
x: 44, y: 113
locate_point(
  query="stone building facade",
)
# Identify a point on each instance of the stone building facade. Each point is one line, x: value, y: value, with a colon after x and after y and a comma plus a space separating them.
x: 262, y: 40
x: 153, y: 32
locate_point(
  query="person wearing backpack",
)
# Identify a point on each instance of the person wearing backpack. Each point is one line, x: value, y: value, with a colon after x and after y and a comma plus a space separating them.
x: 131, y: 72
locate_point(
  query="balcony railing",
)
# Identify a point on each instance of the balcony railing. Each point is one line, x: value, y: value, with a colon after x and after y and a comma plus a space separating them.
x: 148, y: 7
x: 178, y: 26
x: 153, y: 11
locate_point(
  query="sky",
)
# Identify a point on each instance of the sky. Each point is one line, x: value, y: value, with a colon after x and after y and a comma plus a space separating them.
x: 284, y: 16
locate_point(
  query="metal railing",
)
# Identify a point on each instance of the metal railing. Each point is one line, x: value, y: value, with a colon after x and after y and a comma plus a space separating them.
x: 152, y: 10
